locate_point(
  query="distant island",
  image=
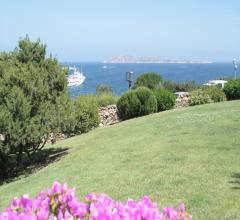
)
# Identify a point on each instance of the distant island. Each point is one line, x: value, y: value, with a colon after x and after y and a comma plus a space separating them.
x: 132, y: 59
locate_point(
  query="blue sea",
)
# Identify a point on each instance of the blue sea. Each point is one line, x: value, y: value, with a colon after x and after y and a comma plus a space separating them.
x: 114, y: 74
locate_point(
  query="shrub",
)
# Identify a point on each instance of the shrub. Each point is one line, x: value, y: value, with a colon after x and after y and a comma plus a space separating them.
x: 68, y: 123
x: 32, y: 87
x: 215, y: 93
x: 127, y: 105
x: 232, y: 89
x: 136, y: 103
x: 198, y: 97
x: 105, y: 95
x: 149, y: 80
x: 86, y: 113
x: 106, y: 99
x: 165, y: 99
x: 148, y: 102
x: 102, y: 88
x: 180, y: 87
x: 61, y: 202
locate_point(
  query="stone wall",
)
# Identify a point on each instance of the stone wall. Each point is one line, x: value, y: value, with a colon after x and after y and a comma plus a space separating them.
x: 108, y: 115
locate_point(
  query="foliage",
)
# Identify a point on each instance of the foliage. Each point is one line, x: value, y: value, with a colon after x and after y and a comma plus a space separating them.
x: 68, y: 117
x: 135, y: 103
x: 102, y: 88
x: 149, y: 80
x: 198, y: 97
x: 165, y: 99
x: 86, y: 113
x: 107, y: 99
x: 215, y: 93
x: 180, y: 87
x: 105, y: 95
x: 61, y: 202
x: 232, y: 89
x: 31, y: 89
x: 127, y: 105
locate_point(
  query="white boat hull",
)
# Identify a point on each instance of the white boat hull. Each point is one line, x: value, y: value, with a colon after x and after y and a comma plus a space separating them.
x: 75, y: 79
x: 76, y: 82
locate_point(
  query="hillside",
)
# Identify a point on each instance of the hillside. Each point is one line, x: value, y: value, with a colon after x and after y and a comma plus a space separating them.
x: 190, y: 154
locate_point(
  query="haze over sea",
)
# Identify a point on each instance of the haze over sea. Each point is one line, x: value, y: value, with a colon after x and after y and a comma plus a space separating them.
x: 114, y: 74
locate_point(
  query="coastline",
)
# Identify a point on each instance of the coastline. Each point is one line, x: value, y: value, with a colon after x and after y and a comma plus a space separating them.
x: 160, y: 62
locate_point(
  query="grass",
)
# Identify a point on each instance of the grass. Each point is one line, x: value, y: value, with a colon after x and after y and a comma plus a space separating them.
x: 190, y: 154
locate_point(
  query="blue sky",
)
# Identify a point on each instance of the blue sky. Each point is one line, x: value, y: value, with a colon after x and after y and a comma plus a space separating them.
x: 96, y: 30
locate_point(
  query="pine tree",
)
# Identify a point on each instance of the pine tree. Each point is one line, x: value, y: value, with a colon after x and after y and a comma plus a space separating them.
x: 33, y: 90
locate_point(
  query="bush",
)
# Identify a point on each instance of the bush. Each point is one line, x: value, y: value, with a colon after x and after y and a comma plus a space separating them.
x: 86, y: 113
x: 106, y: 99
x: 232, y: 89
x: 198, y: 97
x: 136, y: 103
x: 165, y: 99
x: 105, y: 95
x: 127, y: 105
x: 61, y: 202
x: 149, y: 80
x: 180, y: 87
x: 215, y: 93
x: 102, y: 88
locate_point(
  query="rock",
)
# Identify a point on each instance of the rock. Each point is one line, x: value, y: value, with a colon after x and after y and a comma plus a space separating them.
x: 182, y: 100
x: 108, y: 115
x: 2, y: 138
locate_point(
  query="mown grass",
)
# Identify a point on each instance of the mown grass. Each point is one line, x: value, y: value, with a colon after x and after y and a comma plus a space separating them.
x: 190, y: 154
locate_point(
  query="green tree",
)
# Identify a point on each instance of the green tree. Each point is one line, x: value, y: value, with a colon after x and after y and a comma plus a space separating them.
x: 149, y: 80
x: 32, y: 93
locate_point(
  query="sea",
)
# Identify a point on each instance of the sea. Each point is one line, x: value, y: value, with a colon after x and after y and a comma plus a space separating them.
x: 114, y: 75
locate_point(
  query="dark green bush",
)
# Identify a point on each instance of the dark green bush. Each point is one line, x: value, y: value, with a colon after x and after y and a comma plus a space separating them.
x: 127, y: 105
x: 198, y: 97
x: 232, y: 89
x: 215, y: 93
x: 136, y: 103
x: 149, y: 80
x: 180, y: 87
x: 148, y: 102
x: 86, y: 113
x: 165, y: 99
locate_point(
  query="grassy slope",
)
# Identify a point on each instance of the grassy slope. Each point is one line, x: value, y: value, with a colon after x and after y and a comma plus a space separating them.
x: 190, y: 155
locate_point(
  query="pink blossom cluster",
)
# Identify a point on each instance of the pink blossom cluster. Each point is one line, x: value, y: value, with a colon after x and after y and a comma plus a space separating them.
x: 61, y: 202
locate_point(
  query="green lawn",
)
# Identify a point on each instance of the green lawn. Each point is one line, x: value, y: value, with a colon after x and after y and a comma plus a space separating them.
x: 190, y: 154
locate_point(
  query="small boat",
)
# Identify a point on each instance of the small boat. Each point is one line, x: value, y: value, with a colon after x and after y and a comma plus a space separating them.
x: 104, y: 67
x: 77, y: 78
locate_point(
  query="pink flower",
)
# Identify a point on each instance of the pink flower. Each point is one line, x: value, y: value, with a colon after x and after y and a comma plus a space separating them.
x: 60, y: 202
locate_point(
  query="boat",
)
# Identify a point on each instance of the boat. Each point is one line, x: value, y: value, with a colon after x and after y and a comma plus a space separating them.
x: 77, y: 78
x: 104, y: 67
x: 220, y: 83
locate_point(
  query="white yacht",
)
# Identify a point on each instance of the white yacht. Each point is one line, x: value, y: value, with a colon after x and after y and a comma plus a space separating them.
x: 77, y: 78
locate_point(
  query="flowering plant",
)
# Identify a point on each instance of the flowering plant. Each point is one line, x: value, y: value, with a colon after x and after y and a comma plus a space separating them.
x: 61, y: 202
